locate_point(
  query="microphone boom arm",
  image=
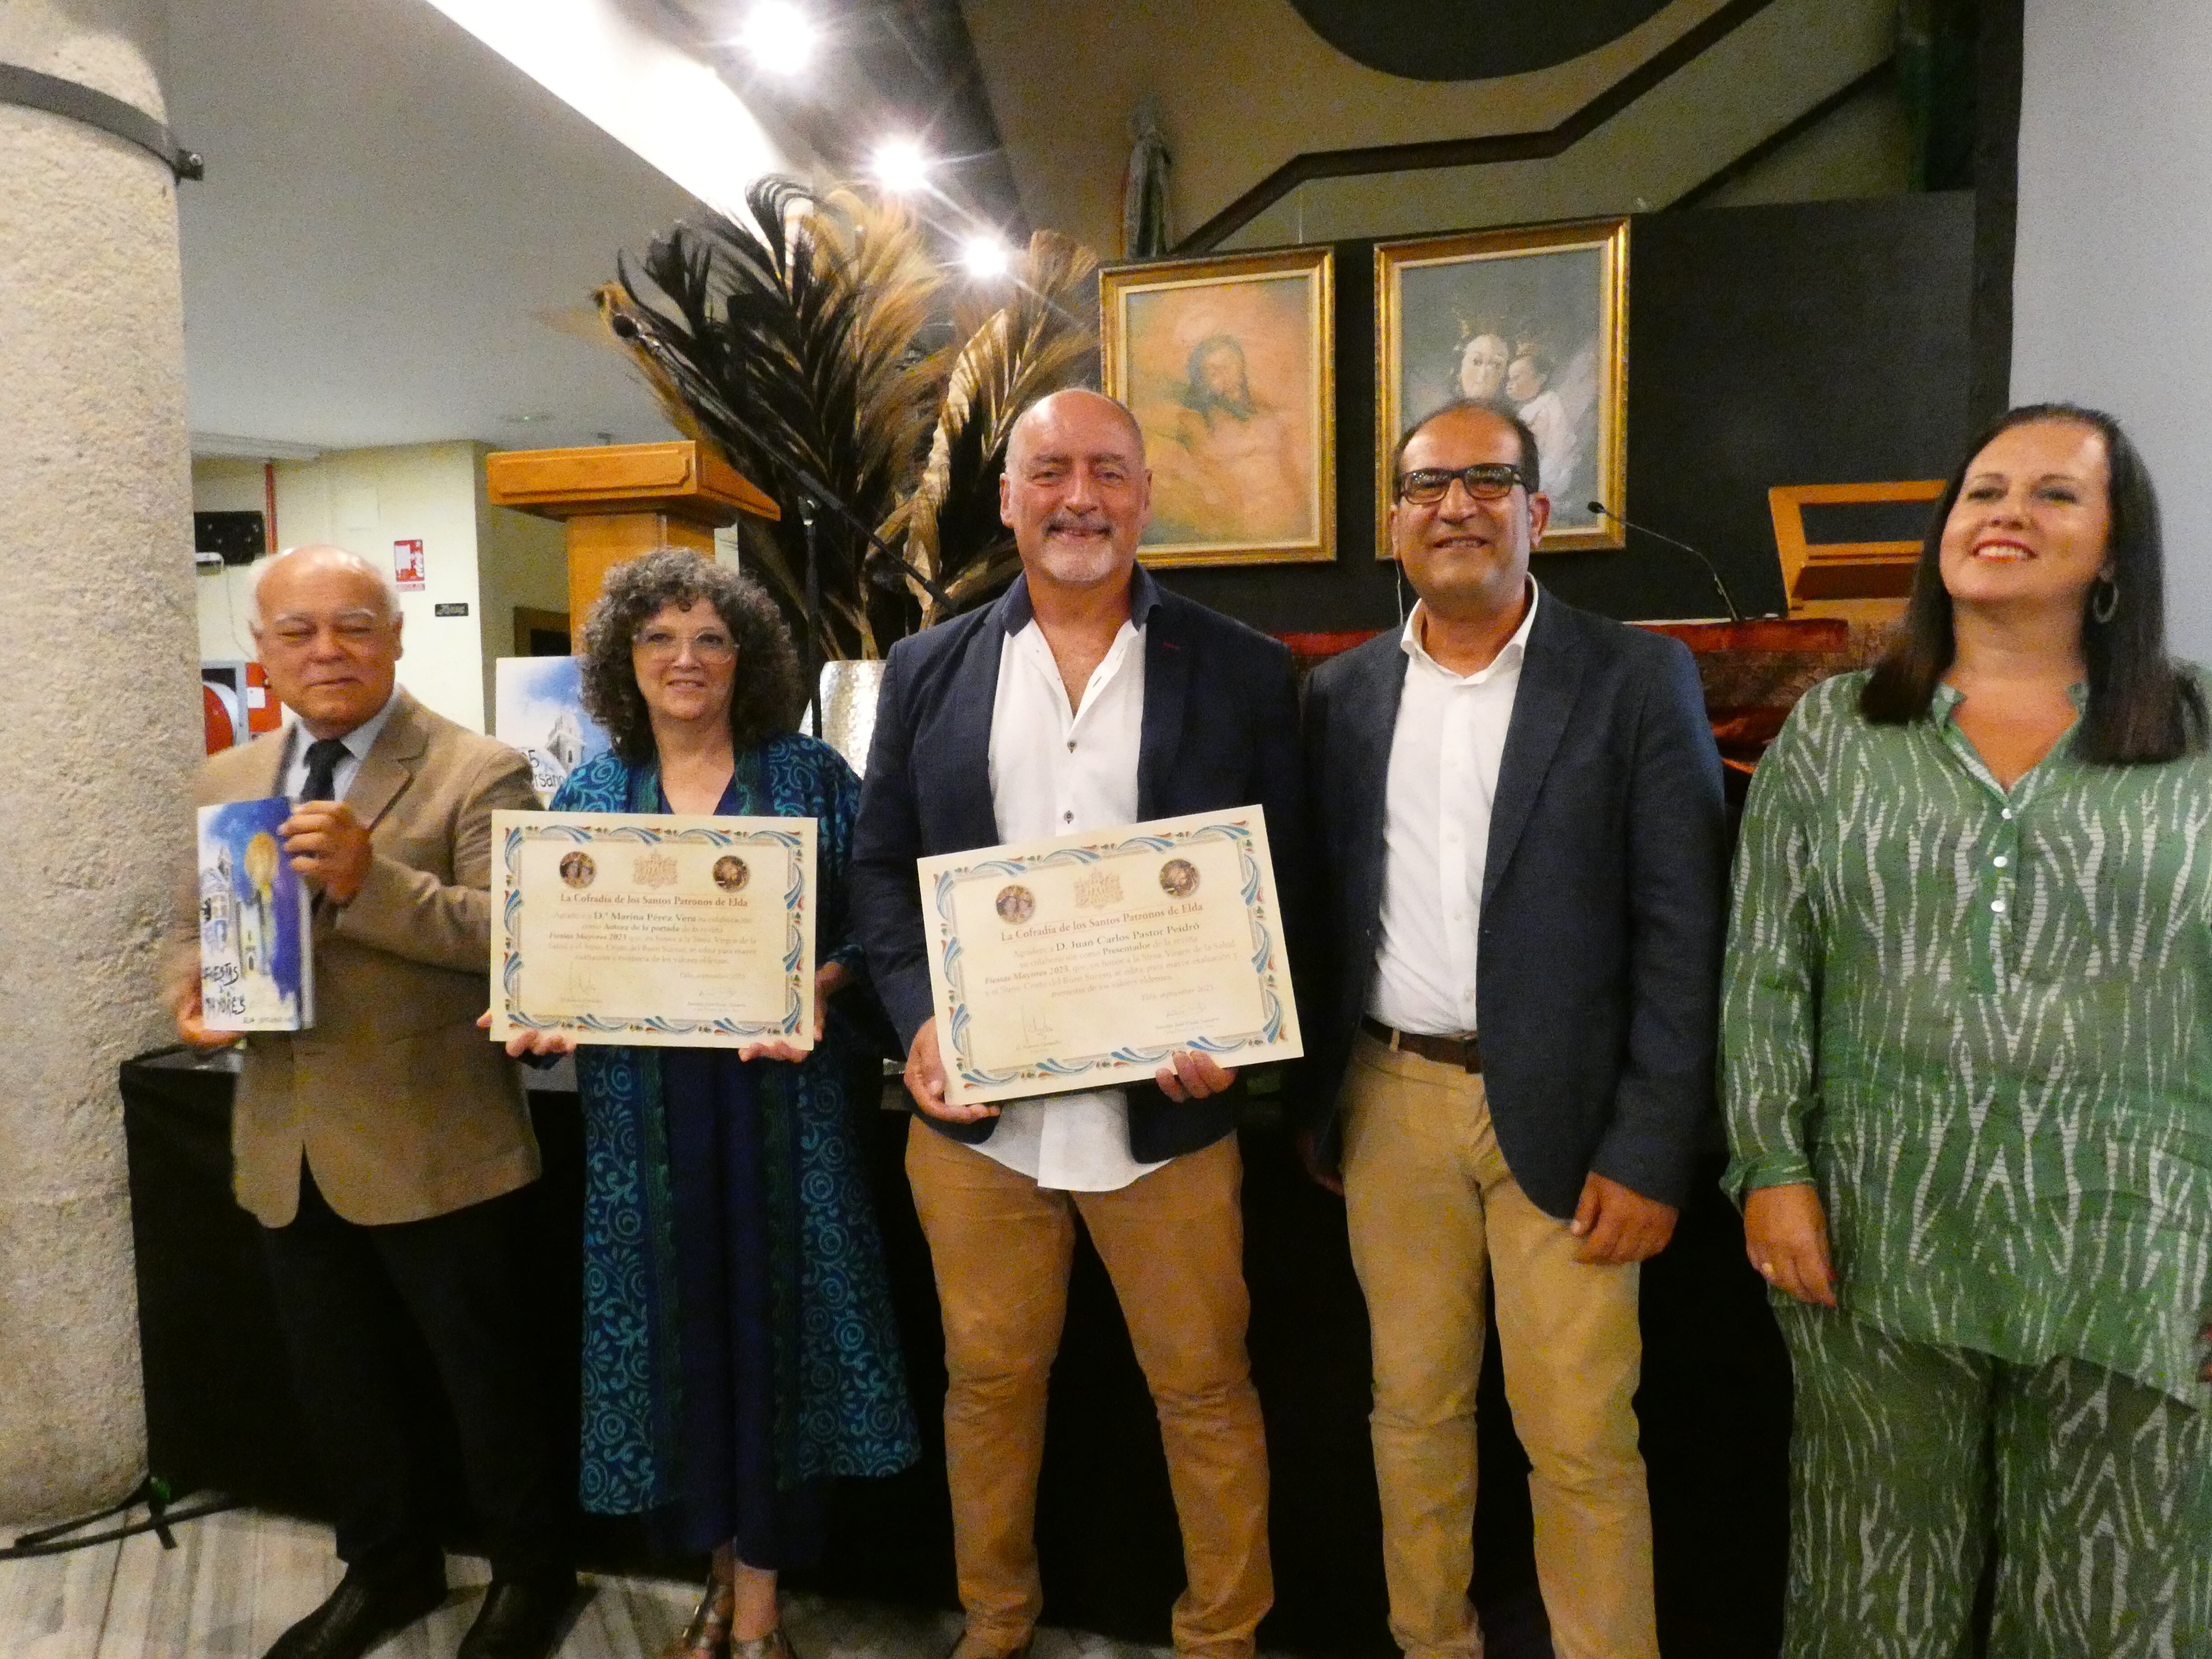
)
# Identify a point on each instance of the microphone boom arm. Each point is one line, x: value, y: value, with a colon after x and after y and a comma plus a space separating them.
x: 1719, y: 586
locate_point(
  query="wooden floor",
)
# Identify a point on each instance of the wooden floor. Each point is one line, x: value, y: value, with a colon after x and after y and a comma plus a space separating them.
x: 236, y: 1580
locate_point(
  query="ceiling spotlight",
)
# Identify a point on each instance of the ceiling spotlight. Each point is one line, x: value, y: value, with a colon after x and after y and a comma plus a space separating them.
x: 986, y: 257
x: 779, y: 36
x: 900, y: 165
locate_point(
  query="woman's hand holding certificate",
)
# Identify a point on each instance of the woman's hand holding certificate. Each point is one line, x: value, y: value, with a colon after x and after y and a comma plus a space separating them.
x: 654, y: 929
x: 1090, y: 960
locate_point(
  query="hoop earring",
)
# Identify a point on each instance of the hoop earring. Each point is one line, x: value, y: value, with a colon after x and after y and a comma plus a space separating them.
x: 2103, y: 600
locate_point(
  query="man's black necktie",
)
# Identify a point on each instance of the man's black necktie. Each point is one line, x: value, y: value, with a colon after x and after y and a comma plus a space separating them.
x: 324, y: 755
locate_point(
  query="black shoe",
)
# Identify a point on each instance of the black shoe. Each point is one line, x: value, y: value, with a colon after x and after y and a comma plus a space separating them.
x: 520, y: 1619
x: 360, y: 1613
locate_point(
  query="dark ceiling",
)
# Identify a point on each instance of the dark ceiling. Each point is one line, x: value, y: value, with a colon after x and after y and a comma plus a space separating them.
x: 891, y: 68
x: 1470, y: 39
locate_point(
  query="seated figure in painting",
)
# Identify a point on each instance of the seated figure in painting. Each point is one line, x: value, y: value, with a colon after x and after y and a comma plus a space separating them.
x: 1231, y: 470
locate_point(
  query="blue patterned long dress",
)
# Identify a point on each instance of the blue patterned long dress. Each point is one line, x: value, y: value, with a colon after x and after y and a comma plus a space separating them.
x: 739, y: 1347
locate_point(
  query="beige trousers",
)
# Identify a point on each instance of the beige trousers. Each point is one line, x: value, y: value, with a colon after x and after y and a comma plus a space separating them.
x: 1173, y: 1243
x: 1436, y: 1216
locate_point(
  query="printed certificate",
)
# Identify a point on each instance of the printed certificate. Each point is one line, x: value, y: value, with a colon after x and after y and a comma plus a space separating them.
x: 1085, y: 961
x: 654, y: 929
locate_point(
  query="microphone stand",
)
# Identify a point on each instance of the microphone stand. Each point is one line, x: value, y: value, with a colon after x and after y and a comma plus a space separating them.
x: 1719, y: 586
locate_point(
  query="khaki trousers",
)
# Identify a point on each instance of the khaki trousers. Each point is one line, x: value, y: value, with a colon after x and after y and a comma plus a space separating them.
x: 1434, y: 1214
x: 1173, y: 1243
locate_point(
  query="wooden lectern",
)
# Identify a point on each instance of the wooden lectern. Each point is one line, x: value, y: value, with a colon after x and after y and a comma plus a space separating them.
x: 1854, y: 582
x: 620, y: 500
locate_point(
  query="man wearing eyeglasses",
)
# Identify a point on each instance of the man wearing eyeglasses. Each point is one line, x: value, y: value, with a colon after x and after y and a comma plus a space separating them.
x: 385, y: 1153
x: 1518, y: 806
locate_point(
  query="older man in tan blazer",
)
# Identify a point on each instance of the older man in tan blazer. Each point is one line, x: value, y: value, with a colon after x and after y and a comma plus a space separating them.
x: 384, y: 1151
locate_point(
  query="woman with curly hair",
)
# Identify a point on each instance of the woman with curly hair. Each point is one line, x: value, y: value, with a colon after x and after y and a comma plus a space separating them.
x: 739, y: 1350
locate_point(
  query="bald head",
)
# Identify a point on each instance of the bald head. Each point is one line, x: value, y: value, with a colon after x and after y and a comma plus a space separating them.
x: 1057, y: 418
x: 275, y: 576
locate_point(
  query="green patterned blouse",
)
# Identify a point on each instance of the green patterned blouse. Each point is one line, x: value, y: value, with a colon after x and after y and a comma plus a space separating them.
x: 1981, y: 1023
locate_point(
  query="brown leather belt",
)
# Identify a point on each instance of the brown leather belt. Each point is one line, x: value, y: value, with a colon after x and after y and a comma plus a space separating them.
x: 1464, y: 1052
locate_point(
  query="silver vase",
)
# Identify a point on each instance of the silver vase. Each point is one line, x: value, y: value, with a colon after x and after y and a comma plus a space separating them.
x: 848, y: 708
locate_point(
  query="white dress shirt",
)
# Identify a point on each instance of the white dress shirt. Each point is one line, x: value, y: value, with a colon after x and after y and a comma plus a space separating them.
x: 357, y: 743
x: 1444, y: 755
x: 1056, y: 770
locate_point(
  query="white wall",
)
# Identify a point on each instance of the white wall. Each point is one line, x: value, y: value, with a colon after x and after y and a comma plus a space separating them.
x: 521, y: 561
x: 2112, y: 271
x: 364, y: 500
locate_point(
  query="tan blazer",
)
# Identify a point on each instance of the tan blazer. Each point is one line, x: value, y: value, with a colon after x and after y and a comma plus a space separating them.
x: 402, y: 1108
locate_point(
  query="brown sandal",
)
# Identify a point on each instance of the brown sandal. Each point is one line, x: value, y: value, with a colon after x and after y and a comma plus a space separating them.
x: 708, y: 1635
x: 773, y: 1645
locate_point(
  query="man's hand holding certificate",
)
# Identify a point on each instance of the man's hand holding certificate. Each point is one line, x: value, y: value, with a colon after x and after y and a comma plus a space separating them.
x: 653, y: 929
x: 1089, y: 960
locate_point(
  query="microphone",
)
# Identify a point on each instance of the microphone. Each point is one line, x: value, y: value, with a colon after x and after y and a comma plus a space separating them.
x: 1719, y: 586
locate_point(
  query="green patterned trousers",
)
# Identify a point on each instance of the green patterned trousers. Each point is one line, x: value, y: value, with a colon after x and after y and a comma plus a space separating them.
x: 1910, y: 1463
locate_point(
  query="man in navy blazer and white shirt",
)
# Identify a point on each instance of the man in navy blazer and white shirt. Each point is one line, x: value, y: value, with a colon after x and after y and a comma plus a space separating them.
x: 1086, y: 698
x: 1518, y: 809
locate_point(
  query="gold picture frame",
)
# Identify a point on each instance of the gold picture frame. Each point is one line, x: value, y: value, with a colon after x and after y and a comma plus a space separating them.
x: 1536, y: 316
x: 1228, y: 365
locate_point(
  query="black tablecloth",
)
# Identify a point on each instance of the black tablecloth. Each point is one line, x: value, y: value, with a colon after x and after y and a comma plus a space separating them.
x: 1714, y: 1405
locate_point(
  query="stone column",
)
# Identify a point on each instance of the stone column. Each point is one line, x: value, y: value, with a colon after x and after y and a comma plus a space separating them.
x: 97, y: 643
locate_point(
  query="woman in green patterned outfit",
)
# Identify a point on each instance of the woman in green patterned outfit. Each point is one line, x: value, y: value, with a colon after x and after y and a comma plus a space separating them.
x: 1968, y: 1040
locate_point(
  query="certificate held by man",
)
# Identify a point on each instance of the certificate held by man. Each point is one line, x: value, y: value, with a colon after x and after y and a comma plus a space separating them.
x: 1085, y: 961
x: 653, y: 929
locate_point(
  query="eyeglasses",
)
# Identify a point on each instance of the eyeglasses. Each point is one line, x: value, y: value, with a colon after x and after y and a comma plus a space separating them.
x: 1492, y: 481
x: 663, y: 646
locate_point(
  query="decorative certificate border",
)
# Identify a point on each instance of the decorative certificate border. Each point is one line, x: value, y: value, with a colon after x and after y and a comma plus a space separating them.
x: 1278, y: 1021
x: 578, y: 830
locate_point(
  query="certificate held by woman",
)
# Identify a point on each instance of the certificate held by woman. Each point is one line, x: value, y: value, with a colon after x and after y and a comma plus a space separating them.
x: 653, y: 929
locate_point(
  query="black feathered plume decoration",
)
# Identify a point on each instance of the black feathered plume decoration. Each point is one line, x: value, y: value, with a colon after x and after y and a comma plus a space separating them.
x: 802, y: 329
x: 795, y: 332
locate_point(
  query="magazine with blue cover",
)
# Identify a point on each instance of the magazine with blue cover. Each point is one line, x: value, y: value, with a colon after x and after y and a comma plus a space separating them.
x: 256, y: 951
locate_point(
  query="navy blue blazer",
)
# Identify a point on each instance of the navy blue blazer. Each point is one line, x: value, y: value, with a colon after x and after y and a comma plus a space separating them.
x: 1220, y: 731
x: 1597, y: 981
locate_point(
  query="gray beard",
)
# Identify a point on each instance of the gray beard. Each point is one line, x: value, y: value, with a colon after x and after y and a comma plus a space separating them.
x: 1078, y: 569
